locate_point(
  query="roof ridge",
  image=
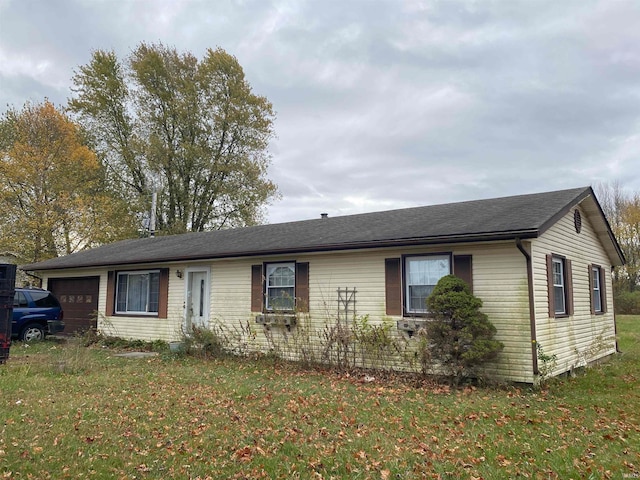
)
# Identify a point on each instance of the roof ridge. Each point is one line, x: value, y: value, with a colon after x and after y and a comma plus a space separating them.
x: 524, y: 215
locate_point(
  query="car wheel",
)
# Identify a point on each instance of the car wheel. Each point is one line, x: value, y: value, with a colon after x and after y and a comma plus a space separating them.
x: 32, y: 333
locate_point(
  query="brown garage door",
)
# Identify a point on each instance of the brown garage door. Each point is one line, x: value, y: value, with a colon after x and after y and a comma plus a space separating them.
x: 79, y: 300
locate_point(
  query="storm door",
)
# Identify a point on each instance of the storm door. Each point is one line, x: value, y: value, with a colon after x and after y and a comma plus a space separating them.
x: 197, y: 299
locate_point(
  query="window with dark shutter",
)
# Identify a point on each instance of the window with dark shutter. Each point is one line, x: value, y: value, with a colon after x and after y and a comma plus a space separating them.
x: 163, y: 294
x: 421, y: 273
x: 280, y: 286
x: 256, y: 288
x: 302, y: 286
x: 597, y: 289
x: 393, y: 286
x: 559, y: 286
x: 569, y: 282
x: 138, y: 292
x: 111, y: 293
x: 603, y: 289
x: 462, y: 268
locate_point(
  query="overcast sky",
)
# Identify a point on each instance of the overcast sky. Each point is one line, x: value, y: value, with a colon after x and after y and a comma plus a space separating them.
x: 383, y: 104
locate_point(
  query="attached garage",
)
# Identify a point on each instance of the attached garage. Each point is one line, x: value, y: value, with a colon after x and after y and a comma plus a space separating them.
x: 79, y: 300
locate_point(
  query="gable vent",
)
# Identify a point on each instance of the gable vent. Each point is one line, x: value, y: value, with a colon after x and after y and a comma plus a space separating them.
x: 577, y: 220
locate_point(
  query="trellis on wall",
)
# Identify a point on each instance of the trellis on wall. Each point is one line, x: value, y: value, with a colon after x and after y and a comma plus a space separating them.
x: 346, y: 304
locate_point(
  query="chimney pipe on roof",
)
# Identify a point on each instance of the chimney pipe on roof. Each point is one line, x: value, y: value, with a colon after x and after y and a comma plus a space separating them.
x: 152, y: 220
x: 324, y: 215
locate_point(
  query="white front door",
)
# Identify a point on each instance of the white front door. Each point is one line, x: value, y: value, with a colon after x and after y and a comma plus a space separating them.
x: 197, y: 299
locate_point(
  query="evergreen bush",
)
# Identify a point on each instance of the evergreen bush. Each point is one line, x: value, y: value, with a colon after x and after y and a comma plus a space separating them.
x: 459, y: 337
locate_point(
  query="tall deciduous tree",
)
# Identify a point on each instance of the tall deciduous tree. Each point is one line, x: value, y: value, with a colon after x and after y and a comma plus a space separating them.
x: 623, y: 213
x: 53, y: 195
x: 190, y: 129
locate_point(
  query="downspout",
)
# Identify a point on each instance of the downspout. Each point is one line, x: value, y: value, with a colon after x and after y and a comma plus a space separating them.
x: 39, y: 279
x: 532, y: 312
x: 615, y: 321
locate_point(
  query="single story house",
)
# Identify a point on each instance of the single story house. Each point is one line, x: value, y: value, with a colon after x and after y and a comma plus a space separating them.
x: 541, y: 263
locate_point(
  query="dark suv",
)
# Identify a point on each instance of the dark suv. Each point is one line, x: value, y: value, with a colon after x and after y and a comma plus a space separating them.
x: 36, y: 313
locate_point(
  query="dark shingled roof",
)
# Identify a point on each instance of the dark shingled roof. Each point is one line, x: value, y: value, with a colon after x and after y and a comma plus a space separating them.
x: 522, y: 216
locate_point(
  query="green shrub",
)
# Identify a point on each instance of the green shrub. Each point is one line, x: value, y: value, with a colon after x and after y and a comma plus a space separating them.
x: 459, y: 336
x: 375, y: 342
x: 204, y: 342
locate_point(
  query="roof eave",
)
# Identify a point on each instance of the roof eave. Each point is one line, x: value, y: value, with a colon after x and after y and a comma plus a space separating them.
x: 613, y: 249
x: 388, y: 243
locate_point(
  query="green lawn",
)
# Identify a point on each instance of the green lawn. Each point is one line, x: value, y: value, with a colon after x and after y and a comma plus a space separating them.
x: 67, y: 411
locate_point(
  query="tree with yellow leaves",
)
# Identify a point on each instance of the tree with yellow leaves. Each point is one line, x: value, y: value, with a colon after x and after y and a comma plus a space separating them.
x: 53, y: 195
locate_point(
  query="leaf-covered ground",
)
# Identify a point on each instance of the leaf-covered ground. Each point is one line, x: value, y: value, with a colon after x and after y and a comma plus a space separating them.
x: 72, y: 412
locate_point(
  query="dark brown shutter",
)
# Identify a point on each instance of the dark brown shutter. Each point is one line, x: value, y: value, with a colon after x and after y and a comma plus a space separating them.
x: 393, y: 286
x: 111, y: 293
x: 302, y: 286
x: 163, y: 293
x: 462, y: 268
x: 552, y: 310
x: 569, y: 286
x: 603, y: 289
x: 591, y: 294
x: 256, y: 288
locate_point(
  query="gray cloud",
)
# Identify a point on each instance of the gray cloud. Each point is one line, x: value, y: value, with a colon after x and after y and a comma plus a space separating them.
x: 384, y: 104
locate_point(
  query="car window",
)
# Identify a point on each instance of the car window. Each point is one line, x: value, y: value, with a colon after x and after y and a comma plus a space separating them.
x: 19, y: 300
x: 44, y: 299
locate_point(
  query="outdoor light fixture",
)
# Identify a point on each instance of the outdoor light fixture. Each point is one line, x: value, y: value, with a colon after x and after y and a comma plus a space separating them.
x: 179, y: 273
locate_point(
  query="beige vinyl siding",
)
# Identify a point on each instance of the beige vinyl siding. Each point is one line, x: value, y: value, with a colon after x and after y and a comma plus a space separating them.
x: 582, y: 337
x: 328, y: 272
x: 135, y: 327
x: 499, y: 279
x: 362, y: 271
x: 231, y: 291
x: 142, y: 327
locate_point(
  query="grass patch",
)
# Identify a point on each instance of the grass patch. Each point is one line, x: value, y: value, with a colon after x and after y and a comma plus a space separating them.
x: 171, y: 416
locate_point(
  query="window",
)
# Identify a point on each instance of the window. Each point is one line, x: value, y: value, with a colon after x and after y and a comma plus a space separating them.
x: 138, y: 292
x: 560, y: 287
x: 421, y: 274
x: 402, y: 279
x: 597, y: 298
x: 597, y: 284
x: 19, y: 300
x: 280, y: 286
x: 44, y: 300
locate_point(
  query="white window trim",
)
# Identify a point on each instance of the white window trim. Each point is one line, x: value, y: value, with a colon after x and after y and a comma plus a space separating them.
x: 407, y: 284
x: 134, y: 312
x: 596, y: 288
x: 559, y: 261
x: 270, y: 267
